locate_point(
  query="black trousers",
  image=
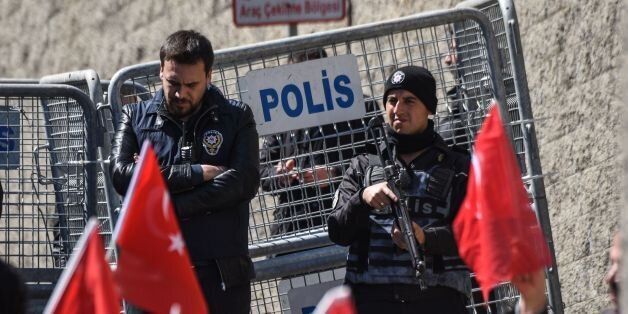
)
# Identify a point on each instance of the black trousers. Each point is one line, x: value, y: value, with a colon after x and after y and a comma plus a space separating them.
x: 231, y: 300
x: 407, y: 299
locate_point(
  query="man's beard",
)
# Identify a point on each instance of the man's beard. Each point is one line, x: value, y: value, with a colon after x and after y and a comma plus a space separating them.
x: 172, y: 105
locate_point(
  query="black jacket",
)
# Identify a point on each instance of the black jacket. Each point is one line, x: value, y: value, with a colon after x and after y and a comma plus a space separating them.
x: 350, y: 224
x: 213, y: 215
x: 351, y: 214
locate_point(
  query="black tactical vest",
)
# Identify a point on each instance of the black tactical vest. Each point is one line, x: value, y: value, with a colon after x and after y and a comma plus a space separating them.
x: 379, y: 261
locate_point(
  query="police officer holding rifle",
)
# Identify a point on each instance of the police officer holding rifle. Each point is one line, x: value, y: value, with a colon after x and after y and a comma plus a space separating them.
x: 395, y: 207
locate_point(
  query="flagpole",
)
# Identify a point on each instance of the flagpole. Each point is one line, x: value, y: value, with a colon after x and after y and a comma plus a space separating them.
x: 72, y: 264
x: 148, y: 228
x: 127, y: 198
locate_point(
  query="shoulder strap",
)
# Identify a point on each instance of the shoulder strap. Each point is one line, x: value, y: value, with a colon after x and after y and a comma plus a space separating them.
x: 453, y: 159
x: 374, y: 162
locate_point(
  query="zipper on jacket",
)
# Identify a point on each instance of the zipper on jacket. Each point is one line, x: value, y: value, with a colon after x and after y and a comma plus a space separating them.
x: 183, y: 133
x: 209, y: 110
x: 222, y: 280
x: 166, y: 115
x: 185, y: 146
x: 181, y: 143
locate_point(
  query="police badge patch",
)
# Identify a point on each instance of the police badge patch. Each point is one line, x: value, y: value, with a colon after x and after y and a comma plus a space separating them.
x: 212, y: 141
x: 398, y: 77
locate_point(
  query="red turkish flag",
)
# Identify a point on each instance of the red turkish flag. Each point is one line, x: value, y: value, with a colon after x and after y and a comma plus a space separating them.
x: 86, y: 285
x: 497, y: 231
x: 337, y: 300
x: 154, y: 271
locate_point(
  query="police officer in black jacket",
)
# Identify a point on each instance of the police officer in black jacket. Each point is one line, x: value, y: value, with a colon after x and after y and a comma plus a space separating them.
x: 207, y: 148
x: 379, y: 269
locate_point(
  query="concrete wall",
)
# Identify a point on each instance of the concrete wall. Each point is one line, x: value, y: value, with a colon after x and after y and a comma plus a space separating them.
x: 39, y: 38
x: 623, y: 275
x: 572, y: 51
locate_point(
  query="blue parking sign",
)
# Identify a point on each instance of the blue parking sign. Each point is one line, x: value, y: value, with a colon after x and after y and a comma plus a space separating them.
x: 9, y: 138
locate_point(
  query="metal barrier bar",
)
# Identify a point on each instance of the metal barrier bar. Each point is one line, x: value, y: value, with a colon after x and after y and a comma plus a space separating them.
x: 301, y: 262
x: 18, y: 81
x: 309, y: 240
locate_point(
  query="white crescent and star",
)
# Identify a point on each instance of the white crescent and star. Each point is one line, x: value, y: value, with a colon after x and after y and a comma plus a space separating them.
x: 175, y: 308
x: 176, y: 243
x: 165, y: 204
x: 176, y: 240
x: 477, y: 176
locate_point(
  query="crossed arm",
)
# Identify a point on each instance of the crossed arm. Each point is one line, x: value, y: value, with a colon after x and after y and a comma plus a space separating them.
x: 196, y: 189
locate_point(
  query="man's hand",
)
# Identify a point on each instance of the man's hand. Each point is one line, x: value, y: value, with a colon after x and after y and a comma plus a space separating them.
x: 532, y: 288
x: 399, y: 239
x: 378, y: 196
x: 318, y: 174
x: 210, y: 172
x: 285, y: 168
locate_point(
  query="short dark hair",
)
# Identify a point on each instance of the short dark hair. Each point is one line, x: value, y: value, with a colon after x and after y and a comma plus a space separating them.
x: 187, y: 47
x: 309, y: 54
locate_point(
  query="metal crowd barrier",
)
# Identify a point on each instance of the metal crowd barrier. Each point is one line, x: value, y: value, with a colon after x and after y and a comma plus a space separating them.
x: 48, y: 172
x: 422, y: 39
x: 108, y: 200
x: 89, y: 82
x: 503, y: 17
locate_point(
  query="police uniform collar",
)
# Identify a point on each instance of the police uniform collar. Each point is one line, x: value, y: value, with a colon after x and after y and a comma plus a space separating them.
x: 412, y: 143
x: 371, y: 149
x: 156, y: 101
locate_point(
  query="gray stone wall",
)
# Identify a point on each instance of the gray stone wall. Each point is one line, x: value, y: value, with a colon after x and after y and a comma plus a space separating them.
x: 39, y: 38
x: 624, y: 145
x: 572, y: 51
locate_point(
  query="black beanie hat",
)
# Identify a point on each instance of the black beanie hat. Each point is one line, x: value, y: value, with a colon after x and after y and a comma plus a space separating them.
x: 417, y: 80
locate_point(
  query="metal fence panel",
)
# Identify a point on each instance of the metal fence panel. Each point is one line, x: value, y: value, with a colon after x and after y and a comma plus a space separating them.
x: 108, y: 200
x: 422, y: 39
x: 18, y: 81
x: 51, y: 190
x: 280, y: 277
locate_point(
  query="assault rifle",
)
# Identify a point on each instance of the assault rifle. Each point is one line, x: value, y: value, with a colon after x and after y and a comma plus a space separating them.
x: 398, y: 179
